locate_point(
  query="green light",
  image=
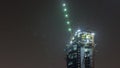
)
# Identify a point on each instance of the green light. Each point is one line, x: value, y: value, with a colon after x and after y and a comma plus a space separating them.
x: 66, y: 15
x: 64, y: 4
x: 65, y: 9
x: 69, y: 29
x: 68, y: 22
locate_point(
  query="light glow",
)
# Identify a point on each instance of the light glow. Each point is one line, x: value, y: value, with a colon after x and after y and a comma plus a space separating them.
x: 65, y: 9
x: 78, y: 30
x: 66, y: 15
x: 86, y: 50
x: 71, y: 42
x: 68, y: 22
x: 93, y: 34
x: 64, y: 4
x: 69, y: 29
x: 87, y: 37
x: 73, y: 38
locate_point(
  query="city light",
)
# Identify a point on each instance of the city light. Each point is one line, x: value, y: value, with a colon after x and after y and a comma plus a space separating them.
x: 87, y: 37
x: 78, y: 30
x: 71, y: 42
x: 86, y: 50
x: 93, y: 34
x: 68, y: 22
x: 65, y: 9
x: 64, y: 4
x: 66, y: 15
x: 73, y: 38
x: 69, y: 29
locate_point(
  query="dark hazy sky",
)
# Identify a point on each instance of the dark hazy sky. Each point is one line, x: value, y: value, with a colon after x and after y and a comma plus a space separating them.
x: 33, y: 33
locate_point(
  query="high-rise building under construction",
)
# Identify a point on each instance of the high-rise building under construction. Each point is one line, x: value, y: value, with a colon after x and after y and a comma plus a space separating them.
x: 80, y: 50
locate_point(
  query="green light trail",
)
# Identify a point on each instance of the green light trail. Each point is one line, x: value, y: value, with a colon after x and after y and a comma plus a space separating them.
x: 66, y: 14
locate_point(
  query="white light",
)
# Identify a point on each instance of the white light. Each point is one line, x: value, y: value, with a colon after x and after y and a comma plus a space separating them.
x: 86, y: 50
x: 69, y: 29
x: 75, y: 34
x: 79, y: 33
x: 73, y: 38
x: 68, y: 22
x: 65, y: 9
x: 87, y: 41
x: 71, y: 42
x: 78, y: 30
x: 93, y: 34
x: 64, y: 4
x: 66, y: 15
x: 87, y: 37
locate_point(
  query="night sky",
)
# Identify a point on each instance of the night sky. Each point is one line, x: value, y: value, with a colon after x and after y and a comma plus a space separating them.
x: 33, y: 33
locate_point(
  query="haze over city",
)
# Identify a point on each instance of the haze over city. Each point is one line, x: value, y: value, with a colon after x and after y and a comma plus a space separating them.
x: 33, y: 33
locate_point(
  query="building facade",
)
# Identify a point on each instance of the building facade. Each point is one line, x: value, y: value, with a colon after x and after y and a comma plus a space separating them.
x: 80, y: 50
